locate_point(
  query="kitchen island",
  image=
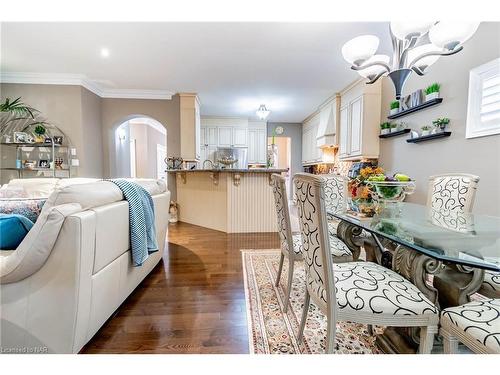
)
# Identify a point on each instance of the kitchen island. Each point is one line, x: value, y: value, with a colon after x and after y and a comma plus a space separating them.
x: 229, y: 200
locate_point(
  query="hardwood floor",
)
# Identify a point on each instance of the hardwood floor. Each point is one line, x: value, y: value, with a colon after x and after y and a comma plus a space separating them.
x: 192, y: 302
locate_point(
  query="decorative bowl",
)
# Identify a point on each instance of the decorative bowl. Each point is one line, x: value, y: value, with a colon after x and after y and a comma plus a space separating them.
x: 227, y: 161
x: 391, y: 191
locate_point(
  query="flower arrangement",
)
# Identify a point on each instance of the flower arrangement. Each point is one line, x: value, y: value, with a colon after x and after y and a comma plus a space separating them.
x: 360, y: 193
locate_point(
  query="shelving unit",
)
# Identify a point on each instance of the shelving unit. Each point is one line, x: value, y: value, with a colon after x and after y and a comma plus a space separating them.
x: 394, y: 134
x: 429, y: 137
x: 424, y: 105
x: 52, y: 156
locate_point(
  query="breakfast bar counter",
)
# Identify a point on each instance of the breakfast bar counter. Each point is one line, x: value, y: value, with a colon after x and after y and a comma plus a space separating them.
x: 229, y: 200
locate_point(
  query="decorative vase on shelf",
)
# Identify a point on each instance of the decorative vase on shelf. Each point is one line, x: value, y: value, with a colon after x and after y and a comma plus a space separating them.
x: 394, y: 111
x: 425, y: 133
x: 431, y: 96
x: 394, y: 129
x: 385, y: 131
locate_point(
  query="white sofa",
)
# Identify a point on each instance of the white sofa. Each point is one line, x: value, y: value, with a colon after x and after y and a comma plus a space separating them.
x: 74, y: 268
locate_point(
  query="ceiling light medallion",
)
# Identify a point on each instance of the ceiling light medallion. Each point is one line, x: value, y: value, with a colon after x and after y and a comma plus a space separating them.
x: 262, y: 112
x: 446, y: 39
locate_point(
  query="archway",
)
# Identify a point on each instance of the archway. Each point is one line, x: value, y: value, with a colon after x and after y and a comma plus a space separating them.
x: 140, y: 148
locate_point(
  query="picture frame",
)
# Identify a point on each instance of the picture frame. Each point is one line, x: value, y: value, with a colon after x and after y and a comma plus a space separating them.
x: 43, y: 163
x: 48, y: 141
x: 20, y: 137
x: 58, y: 139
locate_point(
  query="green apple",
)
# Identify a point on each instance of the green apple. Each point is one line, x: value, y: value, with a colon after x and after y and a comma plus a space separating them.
x: 401, y: 177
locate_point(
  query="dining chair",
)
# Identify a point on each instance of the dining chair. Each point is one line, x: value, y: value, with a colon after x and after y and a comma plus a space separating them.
x: 291, y: 244
x: 360, y: 292
x: 474, y: 324
x: 335, y: 198
x: 491, y: 284
x: 452, y: 192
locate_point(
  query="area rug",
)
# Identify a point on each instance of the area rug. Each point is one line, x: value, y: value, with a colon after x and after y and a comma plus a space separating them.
x: 271, y: 331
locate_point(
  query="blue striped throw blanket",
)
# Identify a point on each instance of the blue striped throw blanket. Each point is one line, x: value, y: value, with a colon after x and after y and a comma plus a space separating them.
x: 141, y: 220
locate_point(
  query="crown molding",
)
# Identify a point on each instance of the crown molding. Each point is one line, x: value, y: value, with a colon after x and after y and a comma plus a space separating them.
x: 84, y: 81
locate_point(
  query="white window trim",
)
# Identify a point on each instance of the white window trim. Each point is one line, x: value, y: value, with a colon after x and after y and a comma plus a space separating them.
x: 474, y: 127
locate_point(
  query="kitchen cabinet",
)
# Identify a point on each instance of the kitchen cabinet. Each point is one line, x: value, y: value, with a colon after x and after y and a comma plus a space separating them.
x: 240, y: 136
x: 311, y: 154
x: 225, y: 136
x: 359, y: 121
x: 257, y: 143
x: 190, y: 126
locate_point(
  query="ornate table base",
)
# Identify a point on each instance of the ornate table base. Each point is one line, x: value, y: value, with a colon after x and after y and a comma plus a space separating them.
x: 449, y: 285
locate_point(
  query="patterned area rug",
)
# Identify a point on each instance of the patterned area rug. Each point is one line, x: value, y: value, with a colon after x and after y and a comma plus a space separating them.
x: 273, y: 332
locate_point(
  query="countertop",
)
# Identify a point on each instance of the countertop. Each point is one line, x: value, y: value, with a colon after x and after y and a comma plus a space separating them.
x: 252, y: 170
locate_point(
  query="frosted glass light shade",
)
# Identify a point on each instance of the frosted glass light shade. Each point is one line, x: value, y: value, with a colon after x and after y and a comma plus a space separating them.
x: 403, y: 30
x: 450, y: 34
x: 262, y: 112
x: 427, y: 61
x: 359, y: 49
x: 372, y: 71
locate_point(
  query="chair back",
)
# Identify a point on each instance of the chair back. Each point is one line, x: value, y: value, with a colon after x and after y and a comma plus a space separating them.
x: 454, y: 192
x: 315, y: 240
x: 335, y: 192
x: 282, y: 213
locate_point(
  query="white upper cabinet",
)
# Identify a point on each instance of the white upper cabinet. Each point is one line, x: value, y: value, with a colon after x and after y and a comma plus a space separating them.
x: 234, y: 132
x: 311, y: 153
x: 240, y: 137
x: 360, y: 121
x: 225, y: 136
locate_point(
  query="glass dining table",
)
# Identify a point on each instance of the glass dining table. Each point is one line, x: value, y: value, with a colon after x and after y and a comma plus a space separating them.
x: 444, y: 253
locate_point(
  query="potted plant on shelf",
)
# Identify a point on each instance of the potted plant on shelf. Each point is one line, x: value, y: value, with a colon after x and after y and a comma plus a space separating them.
x: 441, y: 123
x: 426, y: 130
x: 394, y: 128
x: 39, y: 133
x: 432, y: 92
x: 385, y: 128
x: 394, y: 107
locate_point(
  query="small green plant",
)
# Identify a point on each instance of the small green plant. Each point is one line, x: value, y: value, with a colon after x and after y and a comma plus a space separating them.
x: 432, y: 88
x: 40, y: 130
x: 394, y: 125
x: 395, y: 104
x: 425, y: 127
x: 385, y: 125
x: 441, y: 122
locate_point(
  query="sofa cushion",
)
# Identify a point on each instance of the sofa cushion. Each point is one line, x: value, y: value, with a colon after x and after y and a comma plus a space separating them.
x: 27, y: 207
x: 35, y: 187
x: 13, y: 229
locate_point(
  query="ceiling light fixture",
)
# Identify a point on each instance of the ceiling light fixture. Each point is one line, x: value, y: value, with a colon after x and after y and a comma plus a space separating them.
x: 446, y: 39
x: 104, y: 52
x: 262, y: 112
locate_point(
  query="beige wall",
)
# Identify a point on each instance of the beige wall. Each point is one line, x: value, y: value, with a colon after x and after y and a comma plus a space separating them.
x: 91, y: 135
x: 116, y: 111
x: 480, y: 156
x: 147, y: 138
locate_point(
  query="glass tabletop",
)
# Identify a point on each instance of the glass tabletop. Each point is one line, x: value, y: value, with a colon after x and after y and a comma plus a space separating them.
x: 466, y: 239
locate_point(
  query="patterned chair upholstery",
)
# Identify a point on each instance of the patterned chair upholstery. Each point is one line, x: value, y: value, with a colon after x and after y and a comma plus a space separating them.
x: 360, y: 292
x: 452, y: 192
x: 491, y: 285
x: 475, y: 324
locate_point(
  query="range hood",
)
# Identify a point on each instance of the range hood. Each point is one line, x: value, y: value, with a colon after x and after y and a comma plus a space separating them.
x: 327, y: 128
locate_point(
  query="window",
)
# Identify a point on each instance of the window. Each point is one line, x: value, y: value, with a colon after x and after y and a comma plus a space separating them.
x: 483, y: 113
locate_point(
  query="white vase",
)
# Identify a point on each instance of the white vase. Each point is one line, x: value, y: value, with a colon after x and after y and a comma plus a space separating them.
x: 385, y: 131
x: 425, y: 132
x: 431, y: 96
x: 394, y: 111
x: 393, y: 130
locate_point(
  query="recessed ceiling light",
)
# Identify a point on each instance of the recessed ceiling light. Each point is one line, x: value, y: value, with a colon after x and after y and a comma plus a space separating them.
x: 104, y: 52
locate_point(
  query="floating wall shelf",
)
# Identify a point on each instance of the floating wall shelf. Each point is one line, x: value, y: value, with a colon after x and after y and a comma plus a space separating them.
x: 428, y: 137
x: 424, y: 105
x: 394, y: 134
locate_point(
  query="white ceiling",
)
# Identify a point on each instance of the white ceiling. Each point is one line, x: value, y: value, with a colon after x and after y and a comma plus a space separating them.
x: 234, y: 67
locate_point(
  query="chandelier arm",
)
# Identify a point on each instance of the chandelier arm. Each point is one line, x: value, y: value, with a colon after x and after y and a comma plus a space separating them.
x: 440, y: 53
x: 417, y: 70
x: 375, y: 78
x: 375, y: 63
x: 409, y: 44
x: 396, y: 47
